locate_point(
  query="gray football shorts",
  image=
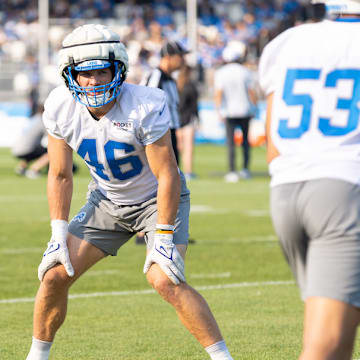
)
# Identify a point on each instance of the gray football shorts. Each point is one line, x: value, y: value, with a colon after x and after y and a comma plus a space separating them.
x: 108, y: 226
x: 318, y: 225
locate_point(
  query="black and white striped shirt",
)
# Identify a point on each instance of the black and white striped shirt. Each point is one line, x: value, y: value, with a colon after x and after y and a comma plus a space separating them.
x: 158, y: 78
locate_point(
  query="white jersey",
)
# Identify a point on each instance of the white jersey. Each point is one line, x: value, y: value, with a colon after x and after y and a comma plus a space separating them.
x: 234, y: 81
x: 313, y: 71
x: 113, y: 147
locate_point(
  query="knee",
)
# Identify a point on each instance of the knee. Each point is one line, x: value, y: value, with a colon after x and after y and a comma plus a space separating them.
x: 55, y: 278
x: 163, y: 285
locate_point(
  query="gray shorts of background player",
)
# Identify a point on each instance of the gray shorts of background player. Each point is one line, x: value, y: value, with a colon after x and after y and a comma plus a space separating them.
x: 318, y: 224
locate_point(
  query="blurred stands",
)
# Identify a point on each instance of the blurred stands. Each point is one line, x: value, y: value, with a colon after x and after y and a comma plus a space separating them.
x: 143, y: 25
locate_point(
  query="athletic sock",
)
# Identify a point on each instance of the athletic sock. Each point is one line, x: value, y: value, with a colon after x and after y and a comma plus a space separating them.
x: 219, y: 351
x: 39, y: 350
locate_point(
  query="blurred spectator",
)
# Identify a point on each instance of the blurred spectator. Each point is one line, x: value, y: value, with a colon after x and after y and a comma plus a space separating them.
x: 30, y: 148
x: 234, y: 99
x: 189, y: 118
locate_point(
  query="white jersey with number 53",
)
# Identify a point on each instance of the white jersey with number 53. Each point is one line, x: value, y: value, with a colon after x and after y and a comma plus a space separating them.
x: 313, y: 71
x: 113, y: 147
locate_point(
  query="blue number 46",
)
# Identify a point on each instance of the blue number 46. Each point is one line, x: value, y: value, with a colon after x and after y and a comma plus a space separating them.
x: 88, y: 147
x: 306, y: 101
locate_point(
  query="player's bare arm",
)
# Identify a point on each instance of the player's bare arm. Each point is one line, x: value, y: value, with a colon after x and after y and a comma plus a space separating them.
x: 59, y: 191
x: 60, y: 185
x: 163, y: 164
x: 272, y: 151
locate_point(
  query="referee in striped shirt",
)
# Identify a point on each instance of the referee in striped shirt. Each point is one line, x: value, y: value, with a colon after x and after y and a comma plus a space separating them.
x: 172, y: 58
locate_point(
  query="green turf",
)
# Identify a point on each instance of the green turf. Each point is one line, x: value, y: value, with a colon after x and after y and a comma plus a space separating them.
x: 235, y: 244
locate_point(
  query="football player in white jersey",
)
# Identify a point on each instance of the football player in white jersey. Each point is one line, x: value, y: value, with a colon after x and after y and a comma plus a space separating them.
x: 311, y: 77
x: 122, y: 133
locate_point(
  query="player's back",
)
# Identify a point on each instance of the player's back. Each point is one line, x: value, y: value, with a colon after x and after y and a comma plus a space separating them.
x: 234, y: 79
x: 313, y: 72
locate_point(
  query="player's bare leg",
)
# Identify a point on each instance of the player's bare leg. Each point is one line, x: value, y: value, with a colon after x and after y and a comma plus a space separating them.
x: 190, y: 306
x: 329, y: 329
x: 51, y: 299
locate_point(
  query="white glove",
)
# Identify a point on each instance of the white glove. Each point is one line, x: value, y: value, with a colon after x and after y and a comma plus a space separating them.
x: 166, y: 255
x: 57, y: 251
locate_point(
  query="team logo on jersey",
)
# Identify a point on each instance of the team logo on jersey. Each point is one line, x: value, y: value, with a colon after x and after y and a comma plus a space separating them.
x: 79, y: 217
x: 123, y: 125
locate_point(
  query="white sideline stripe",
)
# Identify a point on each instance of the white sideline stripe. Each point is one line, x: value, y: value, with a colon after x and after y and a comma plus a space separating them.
x: 22, y: 198
x: 31, y: 198
x: 251, y: 239
x: 202, y: 208
x: 22, y: 251
x: 257, y: 213
x: 101, y: 272
x: 270, y: 238
x: 209, y: 209
x: 193, y: 276
x: 210, y: 276
x: 150, y: 291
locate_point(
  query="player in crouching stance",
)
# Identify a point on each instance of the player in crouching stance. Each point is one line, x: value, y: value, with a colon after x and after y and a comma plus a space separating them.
x: 122, y: 132
x: 311, y: 76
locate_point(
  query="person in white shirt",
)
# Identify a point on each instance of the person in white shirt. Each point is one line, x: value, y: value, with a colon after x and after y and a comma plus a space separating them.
x: 311, y: 77
x: 30, y: 147
x: 234, y: 100
x: 122, y: 133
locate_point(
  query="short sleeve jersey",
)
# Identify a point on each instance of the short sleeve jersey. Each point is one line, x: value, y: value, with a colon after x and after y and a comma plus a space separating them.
x: 313, y: 72
x: 234, y: 80
x: 114, y: 146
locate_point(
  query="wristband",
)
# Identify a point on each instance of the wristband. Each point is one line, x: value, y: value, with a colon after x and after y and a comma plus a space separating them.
x: 165, y: 227
x: 59, y: 228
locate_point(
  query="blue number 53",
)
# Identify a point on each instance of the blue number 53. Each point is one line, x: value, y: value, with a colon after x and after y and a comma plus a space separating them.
x: 306, y: 101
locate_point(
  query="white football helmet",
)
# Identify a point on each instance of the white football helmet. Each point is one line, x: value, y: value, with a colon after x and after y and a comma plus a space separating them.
x: 91, y: 47
x: 340, y: 6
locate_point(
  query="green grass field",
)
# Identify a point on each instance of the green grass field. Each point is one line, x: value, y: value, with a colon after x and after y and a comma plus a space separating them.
x: 236, y: 264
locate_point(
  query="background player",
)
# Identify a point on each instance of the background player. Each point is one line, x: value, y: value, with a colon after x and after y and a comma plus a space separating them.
x: 311, y: 76
x: 234, y: 100
x: 30, y: 147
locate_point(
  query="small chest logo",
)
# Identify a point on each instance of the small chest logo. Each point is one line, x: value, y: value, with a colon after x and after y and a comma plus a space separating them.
x: 123, y: 125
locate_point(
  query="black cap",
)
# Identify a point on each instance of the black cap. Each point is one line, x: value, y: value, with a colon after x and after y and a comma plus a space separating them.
x: 172, y: 48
